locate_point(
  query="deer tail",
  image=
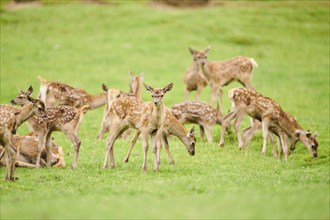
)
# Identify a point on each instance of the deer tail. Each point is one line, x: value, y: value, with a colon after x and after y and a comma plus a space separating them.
x: 253, y: 62
x: 42, y: 80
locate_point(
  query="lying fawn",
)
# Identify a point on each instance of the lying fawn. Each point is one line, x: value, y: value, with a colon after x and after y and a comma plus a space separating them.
x: 10, y: 119
x: 222, y: 73
x: 57, y: 93
x: 111, y: 94
x: 26, y: 148
x: 200, y: 113
x: 59, y: 118
x: 171, y: 127
x: 245, y: 101
x: 194, y: 79
x: 148, y: 118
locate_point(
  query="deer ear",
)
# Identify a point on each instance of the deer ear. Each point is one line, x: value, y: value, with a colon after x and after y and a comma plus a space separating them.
x: 192, y: 131
x: 104, y: 87
x: 31, y: 99
x: 207, y: 49
x: 192, y: 51
x: 29, y: 91
x: 168, y: 88
x: 149, y: 88
x: 142, y: 76
x: 131, y: 75
x: 315, y: 134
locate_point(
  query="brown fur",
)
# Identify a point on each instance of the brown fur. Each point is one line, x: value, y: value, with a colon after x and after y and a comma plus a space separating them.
x: 58, y: 93
x: 200, y: 113
x: 222, y: 73
x: 272, y: 117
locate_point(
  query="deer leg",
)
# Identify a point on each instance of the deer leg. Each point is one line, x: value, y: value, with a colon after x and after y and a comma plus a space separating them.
x: 201, y: 131
x: 249, y: 132
x: 198, y: 92
x: 155, y: 148
x: 41, y: 145
x: 76, y: 143
x: 126, y: 134
x: 284, y: 146
x: 265, y: 131
x: 219, y: 106
x: 225, y: 124
x: 237, y: 125
x: 104, y: 128
x: 208, y: 133
x: 167, y: 148
x: 272, y: 140
x: 133, y: 141
x: 49, y: 153
x: 186, y: 94
x: 144, y: 137
x: 109, y: 144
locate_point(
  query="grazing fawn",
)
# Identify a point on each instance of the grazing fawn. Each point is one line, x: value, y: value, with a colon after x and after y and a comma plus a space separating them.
x: 171, y: 127
x: 10, y: 119
x: 245, y: 101
x: 57, y: 93
x: 148, y: 118
x: 194, y: 79
x: 222, y: 73
x: 59, y: 118
x: 200, y: 113
x: 26, y: 148
x: 111, y: 94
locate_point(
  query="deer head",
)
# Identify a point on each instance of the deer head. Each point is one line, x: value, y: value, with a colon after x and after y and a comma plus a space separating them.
x: 158, y: 94
x: 200, y: 56
x: 135, y: 82
x: 22, y: 97
x: 192, y: 141
x: 308, y: 140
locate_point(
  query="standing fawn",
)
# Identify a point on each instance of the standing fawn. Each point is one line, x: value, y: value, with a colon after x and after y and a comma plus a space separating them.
x: 59, y: 118
x: 111, y: 94
x: 26, y: 148
x: 171, y: 127
x: 194, y: 80
x: 272, y: 117
x: 200, y: 113
x: 58, y: 93
x: 222, y: 73
x: 10, y: 119
x: 148, y: 118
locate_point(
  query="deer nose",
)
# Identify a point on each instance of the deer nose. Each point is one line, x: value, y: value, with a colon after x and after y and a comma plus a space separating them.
x: 155, y: 103
x: 12, y: 101
x: 315, y: 155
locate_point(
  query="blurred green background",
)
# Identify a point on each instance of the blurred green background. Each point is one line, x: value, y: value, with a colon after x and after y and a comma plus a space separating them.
x: 87, y: 43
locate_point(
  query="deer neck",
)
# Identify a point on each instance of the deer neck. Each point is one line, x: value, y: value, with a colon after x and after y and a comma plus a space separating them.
x: 177, y: 129
x: 24, y: 114
x: 158, y: 115
x: 96, y: 101
x: 206, y: 70
x: 194, y: 66
x: 288, y: 126
x: 137, y: 92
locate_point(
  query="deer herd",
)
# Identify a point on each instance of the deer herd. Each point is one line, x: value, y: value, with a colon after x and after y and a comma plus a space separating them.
x: 60, y: 107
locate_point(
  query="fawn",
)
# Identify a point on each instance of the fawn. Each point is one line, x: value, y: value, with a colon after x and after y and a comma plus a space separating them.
x: 148, y: 118
x: 26, y: 148
x: 10, y: 119
x: 171, y: 127
x: 57, y: 93
x: 66, y: 119
x: 245, y: 101
x: 194, y: 80
x: 222, y: 73
x: 111, y: 94
x: 200, y: 113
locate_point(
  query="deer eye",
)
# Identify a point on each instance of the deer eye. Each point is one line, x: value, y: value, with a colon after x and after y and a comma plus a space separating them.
x: 162, y: 96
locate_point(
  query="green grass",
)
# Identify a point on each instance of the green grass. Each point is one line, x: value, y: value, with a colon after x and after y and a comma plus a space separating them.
x: 86, y: 45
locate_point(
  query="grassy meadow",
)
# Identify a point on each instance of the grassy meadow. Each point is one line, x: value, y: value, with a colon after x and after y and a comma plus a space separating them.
x: 85, y: 45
